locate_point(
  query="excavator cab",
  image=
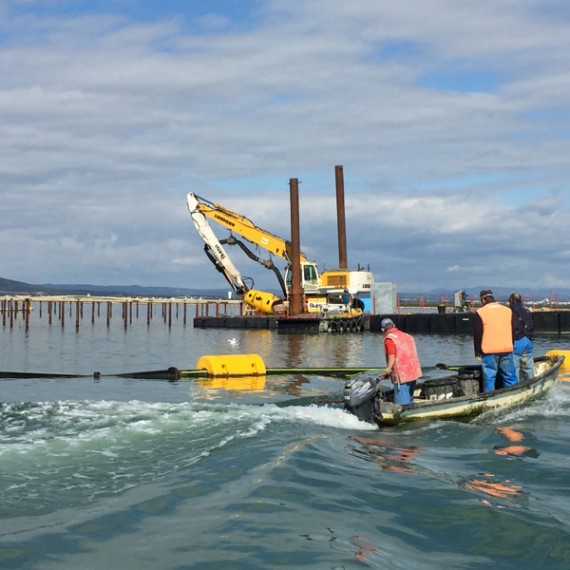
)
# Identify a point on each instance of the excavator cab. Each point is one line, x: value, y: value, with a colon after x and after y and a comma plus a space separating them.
x: 310, y: 280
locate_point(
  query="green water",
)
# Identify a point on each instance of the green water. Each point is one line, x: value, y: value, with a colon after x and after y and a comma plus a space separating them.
x: 137, y: 474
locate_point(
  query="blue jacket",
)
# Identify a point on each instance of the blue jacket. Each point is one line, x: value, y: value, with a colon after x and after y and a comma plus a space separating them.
x: 522, y: 321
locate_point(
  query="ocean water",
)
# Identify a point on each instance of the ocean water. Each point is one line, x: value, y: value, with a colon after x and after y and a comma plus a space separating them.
x: 211, y: 474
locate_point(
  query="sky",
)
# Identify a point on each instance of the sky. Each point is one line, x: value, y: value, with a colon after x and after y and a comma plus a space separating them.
x: 451, y: 121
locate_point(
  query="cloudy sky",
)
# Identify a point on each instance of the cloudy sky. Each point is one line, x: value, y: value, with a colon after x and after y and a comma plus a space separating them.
x: 451, y: 120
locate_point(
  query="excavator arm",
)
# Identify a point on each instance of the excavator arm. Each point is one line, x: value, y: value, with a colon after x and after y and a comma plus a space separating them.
x: 243, y: 226
x: 217, y: 254
x: 258, y: 300
x: 267, y: 263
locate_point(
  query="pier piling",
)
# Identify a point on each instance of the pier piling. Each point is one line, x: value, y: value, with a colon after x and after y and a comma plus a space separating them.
x: 60, y: 307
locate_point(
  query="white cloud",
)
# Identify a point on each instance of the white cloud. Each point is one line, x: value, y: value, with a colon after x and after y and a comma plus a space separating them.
x: 451, y: 178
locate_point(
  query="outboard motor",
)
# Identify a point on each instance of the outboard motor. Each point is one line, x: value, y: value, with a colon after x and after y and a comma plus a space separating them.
x: 361, y: 398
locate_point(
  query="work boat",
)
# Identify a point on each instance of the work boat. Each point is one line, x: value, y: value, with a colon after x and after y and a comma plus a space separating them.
x: 457, y: 395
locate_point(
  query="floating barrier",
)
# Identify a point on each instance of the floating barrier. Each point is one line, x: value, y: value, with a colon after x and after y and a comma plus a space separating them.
x: 242, y: 366
x: 212, y: 366
x: 16, y: 375
x: 232, y: 365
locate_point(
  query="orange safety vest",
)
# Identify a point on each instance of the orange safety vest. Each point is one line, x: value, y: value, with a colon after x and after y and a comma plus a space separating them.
x: 407, y: 365
x: 497, y: 328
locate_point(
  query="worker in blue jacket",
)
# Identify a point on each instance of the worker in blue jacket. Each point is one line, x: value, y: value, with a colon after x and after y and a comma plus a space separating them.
x: 523, y: 349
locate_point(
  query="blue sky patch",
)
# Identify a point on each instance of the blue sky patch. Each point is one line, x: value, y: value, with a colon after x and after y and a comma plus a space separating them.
x: 461, y: 81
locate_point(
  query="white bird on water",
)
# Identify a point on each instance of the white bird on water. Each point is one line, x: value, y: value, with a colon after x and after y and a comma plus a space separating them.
x: 233, y: 341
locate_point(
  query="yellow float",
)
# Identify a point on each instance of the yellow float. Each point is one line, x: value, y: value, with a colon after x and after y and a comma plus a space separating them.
x: 565, y: 354
x: 231, y: 365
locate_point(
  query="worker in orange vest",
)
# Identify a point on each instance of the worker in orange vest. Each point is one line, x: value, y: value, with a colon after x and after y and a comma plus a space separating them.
x: 402, y: 361
x: 493, y: 340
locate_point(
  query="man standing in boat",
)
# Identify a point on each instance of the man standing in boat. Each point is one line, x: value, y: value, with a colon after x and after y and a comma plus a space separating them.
x: 493, y: 340
x: 402, y: 362
x: 523, y: 351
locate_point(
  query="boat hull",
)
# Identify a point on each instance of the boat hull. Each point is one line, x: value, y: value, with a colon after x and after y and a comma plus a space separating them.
x: 456, y: 407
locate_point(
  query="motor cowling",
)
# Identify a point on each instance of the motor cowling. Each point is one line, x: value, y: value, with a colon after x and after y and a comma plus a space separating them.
x: 361, y: 398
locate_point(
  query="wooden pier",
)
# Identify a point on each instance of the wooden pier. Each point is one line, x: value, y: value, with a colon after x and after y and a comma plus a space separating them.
x: 61, y: 309
x: 65, y: 310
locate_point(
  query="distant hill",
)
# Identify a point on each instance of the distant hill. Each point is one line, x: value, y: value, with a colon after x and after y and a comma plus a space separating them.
x: 135, y: 290
x: 11, y: 287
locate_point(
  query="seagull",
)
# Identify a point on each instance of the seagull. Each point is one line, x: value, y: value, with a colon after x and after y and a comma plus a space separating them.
x: 233, y: 341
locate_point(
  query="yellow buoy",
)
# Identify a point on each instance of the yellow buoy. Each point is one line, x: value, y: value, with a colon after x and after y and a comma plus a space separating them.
x: 231, y: 365
x: 565, y: 354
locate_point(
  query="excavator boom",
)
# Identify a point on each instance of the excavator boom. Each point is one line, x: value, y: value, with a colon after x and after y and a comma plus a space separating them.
x: 258, y: 300
x: 244, y: 227
x: 216, y: 252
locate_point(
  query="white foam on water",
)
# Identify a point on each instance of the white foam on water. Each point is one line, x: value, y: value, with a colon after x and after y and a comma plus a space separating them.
x: 79, y: 423
x: 320, y: 415
x: 95, y: 449
x: 554, y: 404
x: 104, y: 447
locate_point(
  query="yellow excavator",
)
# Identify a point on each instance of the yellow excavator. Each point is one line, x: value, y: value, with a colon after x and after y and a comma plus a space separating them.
x: 324, y: 292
